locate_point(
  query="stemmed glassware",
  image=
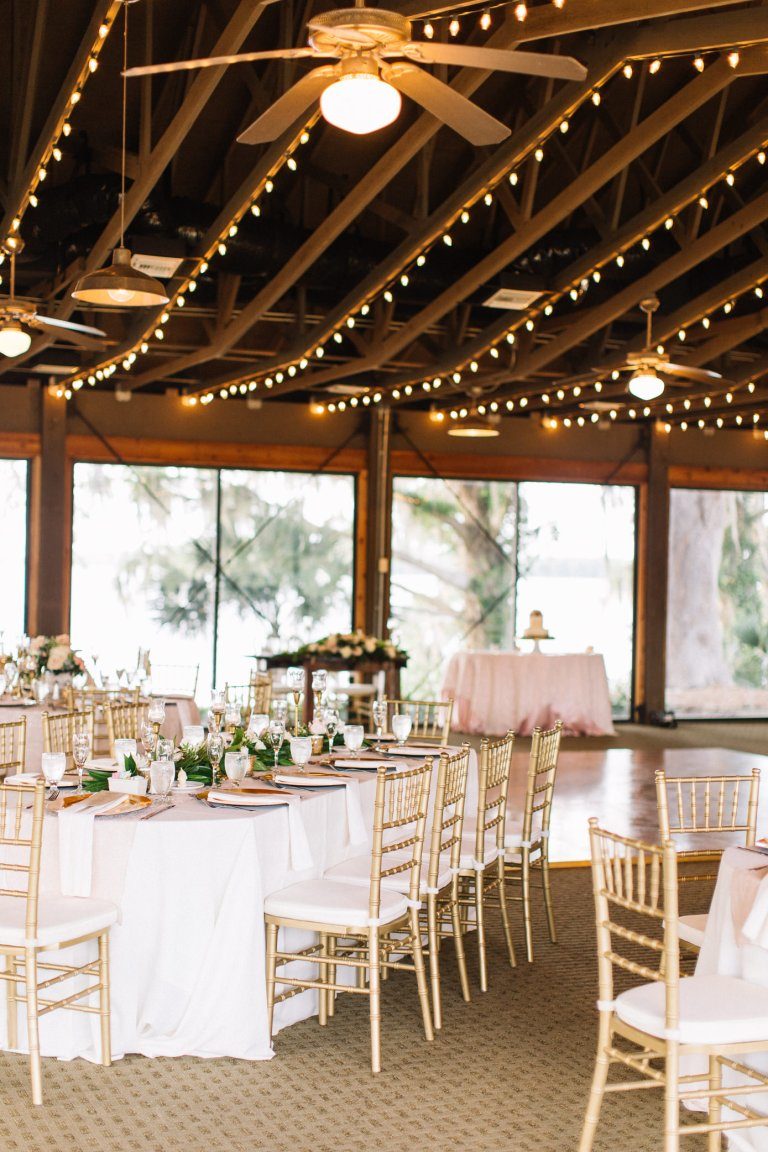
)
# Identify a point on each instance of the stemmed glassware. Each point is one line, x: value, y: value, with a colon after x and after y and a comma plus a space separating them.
x: 215, y: 753
x: 301, y: 750
x: 379, y: 711
x: 277, y: 735
x: 295, y: 680
x: 331, y: 722
x: 258, y: 724
x: 147, y: 737
x: 401, y: 726
x: 54, y: 765
x: 236, y: 766
x: 319, y: 685
x: 81, y: 746
x: 216, y: 710
x: 354, y: 734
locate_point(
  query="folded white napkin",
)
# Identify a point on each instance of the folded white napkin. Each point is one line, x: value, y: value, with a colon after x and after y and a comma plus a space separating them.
x: 23, y: 778
x: 76, y: 844
x: 355, y: 823
x: 133, y: 785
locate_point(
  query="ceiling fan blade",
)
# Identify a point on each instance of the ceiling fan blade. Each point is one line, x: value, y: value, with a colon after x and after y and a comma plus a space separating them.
x: 217, y: 61
x: 52, y: 322
x: 289, y: 107
x: 447, y: 105
x: 701, y: 375
x: 494, y: 59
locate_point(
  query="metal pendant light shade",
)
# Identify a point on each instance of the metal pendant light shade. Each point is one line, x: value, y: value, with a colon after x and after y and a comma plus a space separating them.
x: 120, y: 284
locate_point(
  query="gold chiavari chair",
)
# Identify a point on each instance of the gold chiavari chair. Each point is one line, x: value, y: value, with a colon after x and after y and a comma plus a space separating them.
x: 717, y: 1018
x: 353, y: 922
x: 441, y: 882
x: 526, y: 846
x: 431, y: 718
x: 174, y: 679
x: 59, y: 730
x: 98, y: 700
x: 482, y: 879
x: 13, y: 746
x: 255, y: 696
x: 124, y: 721
x: 31, y: 925
x: 705, y: 809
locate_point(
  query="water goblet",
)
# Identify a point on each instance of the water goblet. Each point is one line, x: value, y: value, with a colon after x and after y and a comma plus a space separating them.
x: 215, y: 753
x: 379, y: 711
x: 161, y: 774
x: 277, y: 735
x: 81, y: 746
x: 258, y: 724
x: 401, y: 726
x: 301, y: 750
x: 54, y: 765
x: 331, y: 722
x: 236, y: 766
x: 354, y: 734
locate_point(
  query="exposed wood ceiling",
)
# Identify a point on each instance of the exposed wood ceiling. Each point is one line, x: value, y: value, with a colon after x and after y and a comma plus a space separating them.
x: 324, y: 294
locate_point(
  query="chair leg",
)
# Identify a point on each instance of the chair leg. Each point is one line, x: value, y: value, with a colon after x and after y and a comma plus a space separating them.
x: 322, y: 975
x: 374, y: 992
x: 548, y: 896
x: 525, y: 881
x: 480, y: 918
x: 421, y: 975
x: 331, y: 977
x: 271, y: 968
x: 434, y: 959
x: 714, y: 1139
x: 599, y: 1078
x: 12, y: 1007
x: 35, y: 1064
x: 104, y: 1005
x: 671, y: 1101
x: 458, y: 939
x: 505, y: 914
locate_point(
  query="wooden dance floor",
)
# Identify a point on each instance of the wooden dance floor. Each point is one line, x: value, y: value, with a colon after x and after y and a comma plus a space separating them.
x: 617, y: 785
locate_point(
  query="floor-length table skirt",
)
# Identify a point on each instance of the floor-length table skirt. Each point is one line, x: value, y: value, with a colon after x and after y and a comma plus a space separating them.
x: 496, y: 691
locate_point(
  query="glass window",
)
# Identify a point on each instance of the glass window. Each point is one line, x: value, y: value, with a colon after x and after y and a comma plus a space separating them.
x: 287, y: 558
x: 13, y: 571
x: 717, y: 621
x: 473, y: 558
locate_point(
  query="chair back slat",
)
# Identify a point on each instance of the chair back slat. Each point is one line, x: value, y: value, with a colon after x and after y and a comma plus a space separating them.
x: 124, y: 721
x: 493, y: 783
x: 13, y: 746
x: 400, y: 806
x: 20, y: 845
x: 255, y: 696
x: 98, y: 701
x: 59, y: 729
x: 540, y: 784
x: 448, y: 814
x: 431, y: 719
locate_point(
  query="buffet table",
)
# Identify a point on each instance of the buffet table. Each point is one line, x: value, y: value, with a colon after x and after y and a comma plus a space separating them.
x: 179, y: 711
x: 496, y: 691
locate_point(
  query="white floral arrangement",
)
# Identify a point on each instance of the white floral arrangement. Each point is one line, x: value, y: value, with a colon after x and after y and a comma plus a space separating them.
x: 350, y: 646
x: 55, y: 654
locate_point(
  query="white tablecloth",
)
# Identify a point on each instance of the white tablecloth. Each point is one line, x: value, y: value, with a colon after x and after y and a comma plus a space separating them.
x: 179, y: 710
x: 725, y: 954
x: 187, y: 954
x: 495, y: 691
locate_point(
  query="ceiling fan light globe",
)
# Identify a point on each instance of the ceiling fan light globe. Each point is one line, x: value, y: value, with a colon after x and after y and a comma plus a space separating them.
x: 360, y: 103
x: 14, y: 341
x: 646, y: 385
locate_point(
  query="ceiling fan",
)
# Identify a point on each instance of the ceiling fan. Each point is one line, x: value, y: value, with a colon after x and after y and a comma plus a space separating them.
x: 17, y: 315
x: 361, y: 93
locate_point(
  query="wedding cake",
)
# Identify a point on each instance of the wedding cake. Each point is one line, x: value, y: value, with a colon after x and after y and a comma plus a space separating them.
x: 536, y: 629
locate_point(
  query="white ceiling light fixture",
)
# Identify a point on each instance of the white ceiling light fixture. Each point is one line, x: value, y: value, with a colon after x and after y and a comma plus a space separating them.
x: 120, y: 283
x: 14, y: 341
x: 360, y: 101
x: 474, y: 428
x: 645, y: 384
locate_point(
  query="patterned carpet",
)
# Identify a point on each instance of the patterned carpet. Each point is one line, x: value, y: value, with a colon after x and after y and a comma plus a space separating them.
x: 509, y: 1073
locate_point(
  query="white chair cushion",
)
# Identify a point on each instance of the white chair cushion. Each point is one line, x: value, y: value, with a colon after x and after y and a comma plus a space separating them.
x: 713, y: 1010
x: 59, y: 918
x: 332, y: 902
x: 468, y: 844
x: 357, y: 870
x: 692, y: 928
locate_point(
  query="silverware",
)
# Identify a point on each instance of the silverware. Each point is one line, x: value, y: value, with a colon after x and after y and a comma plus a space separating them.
x: 156, y: 811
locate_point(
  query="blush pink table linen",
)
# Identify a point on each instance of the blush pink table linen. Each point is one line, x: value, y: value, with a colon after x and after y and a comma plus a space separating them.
x: 496, y: 691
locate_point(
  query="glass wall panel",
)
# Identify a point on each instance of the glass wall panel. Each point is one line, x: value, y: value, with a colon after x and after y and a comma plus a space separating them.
x: 472, y: 559
x: 13, y: 531
x: 717, y: 621
x: 287, y: 558
x: 143, y: 564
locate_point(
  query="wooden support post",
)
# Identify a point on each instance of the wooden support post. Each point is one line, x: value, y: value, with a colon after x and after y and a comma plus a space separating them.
x: 379, y: 535
x: 50, y: 523
x: 652, y: 581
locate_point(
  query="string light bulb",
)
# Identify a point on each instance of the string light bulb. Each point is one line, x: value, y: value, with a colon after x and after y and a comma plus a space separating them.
x: 485, y: 20
x: 454, y: 27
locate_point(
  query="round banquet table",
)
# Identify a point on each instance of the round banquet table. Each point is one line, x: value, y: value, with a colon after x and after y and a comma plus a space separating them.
x: 179, y: 711
x: 496, y: 691
x: 187, y: 954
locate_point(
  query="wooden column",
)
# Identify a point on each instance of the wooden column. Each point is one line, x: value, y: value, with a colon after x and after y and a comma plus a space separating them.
x: 379, y: 526
x: 50, y: 523
x: 652, y: 581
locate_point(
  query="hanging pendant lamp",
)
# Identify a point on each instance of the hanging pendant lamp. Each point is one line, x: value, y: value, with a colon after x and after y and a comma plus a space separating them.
x: 121, y: 283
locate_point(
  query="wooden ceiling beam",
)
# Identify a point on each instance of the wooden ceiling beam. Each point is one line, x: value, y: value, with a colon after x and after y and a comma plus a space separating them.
x: 579, y: 15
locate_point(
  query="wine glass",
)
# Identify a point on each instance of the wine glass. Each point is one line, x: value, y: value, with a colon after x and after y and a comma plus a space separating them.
x: 81, y: 746
x: 280, y: 709
x: 147, y: 737
x: 319, y: 685
x: 379, y: 711
x: 401, y: 726
x: 354, y: 734
x: 277, y: 735
x: 236, y: 766
x: 258, y: 724
x: 54, y: 765
x: 215, y: 753
x: 331, y: 722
